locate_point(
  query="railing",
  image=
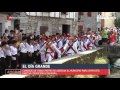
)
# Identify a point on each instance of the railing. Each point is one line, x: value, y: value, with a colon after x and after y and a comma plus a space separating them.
x: 112, y: 49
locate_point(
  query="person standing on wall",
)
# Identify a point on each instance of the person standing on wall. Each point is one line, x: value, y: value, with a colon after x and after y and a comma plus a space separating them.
x: 112, y: 38
x: 104, y: 35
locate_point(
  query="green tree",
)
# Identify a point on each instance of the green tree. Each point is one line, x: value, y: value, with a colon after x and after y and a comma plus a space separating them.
x: 117, y: 22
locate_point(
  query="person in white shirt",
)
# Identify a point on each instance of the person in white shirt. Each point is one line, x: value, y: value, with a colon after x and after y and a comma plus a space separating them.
x: 97, y: 38
x: 49, y: 50
x: 7, y: 51
x: 36, y: 47
x: 83, y: 44
x: 2, y: 61
x: 42, y: 50
x: 30, y: 50
x: 72, y: 47
x: 14, y: 53
x: 23, y: 51
x: 56, y: 46
x: 5, y: 35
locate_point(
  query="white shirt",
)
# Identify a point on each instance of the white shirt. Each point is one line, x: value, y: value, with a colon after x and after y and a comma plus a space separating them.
x: 60, y: 44
x: 13, y: 50
x: 2, y: 53
x: 7, y: 50
x: 66, y: 45
x: 43, y: 46
x: 23, y: 47
x: 0, y: 42
x: 30, y: 48
x: 36, y: 47
x: 74, y: 50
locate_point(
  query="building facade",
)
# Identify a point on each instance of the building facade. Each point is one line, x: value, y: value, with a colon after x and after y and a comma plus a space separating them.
x: 6, y: 22
x: 54, y: 22
x: 107, y: 19
x: 88, y: 21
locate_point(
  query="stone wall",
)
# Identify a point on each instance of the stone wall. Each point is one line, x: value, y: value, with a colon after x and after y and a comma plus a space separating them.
x: 54, y: 24
x: 3, y: 20
x: 89, y: 22
x: 89, y: 58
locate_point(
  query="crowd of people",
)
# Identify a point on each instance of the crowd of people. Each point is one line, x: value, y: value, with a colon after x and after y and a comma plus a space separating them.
x: 18, y: 48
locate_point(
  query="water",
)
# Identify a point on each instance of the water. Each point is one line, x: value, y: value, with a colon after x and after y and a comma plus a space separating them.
x: 115, y: 69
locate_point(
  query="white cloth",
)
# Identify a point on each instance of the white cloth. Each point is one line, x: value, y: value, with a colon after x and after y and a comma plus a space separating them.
x: 66, y: 45
x: 36, y: 47
x: 7, y: 50
x: 30, y: 48
x: 74, y: 50
x: 82, y: 47
x: 0, y: 42
x: 13, y: 50
x: 42, y: 51
x: 59, y: 44
x: 50, y: 54
x: 49, y: 57
x: 23, y: 47
x: 111, y: 44
x: 57, y: 50
x: 2, y: 53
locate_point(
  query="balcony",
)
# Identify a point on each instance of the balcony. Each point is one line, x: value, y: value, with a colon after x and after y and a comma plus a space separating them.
x: 65, y: 15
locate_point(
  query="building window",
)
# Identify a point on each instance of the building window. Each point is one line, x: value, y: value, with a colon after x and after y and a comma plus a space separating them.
x: 80, y: 27
x: 81, y: 13
x: 63, y: 12
x: 89, y: 14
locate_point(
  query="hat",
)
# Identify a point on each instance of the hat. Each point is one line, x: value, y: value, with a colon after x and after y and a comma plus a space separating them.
x: 71, y: 38
x: 48, y: 38
x: 43, y: 38
x: 84, y: 37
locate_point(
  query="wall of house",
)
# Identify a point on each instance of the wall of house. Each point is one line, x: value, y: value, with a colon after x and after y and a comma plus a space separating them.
x: 33, y: 23
x: 89, y: 22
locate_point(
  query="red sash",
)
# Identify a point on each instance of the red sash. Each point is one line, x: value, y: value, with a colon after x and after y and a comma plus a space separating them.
x: 51, y: 49
x: 89, y: 44
x: 70, y: 47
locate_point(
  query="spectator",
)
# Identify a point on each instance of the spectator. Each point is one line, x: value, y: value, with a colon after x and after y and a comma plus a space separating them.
x: 104, y: 35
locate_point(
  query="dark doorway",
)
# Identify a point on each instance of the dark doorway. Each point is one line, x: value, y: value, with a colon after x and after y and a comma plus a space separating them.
x: 43, y: 29
x: 17, y: 24
x: 0, y: 29
x: 65, y: 29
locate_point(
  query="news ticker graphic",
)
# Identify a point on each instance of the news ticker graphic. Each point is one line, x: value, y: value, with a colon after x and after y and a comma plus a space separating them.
x: 62, y: 69
x: 12, y: 71
x: 65, y: 66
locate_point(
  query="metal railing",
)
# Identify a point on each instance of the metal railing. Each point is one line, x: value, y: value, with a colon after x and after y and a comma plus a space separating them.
x: 112, y: 49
